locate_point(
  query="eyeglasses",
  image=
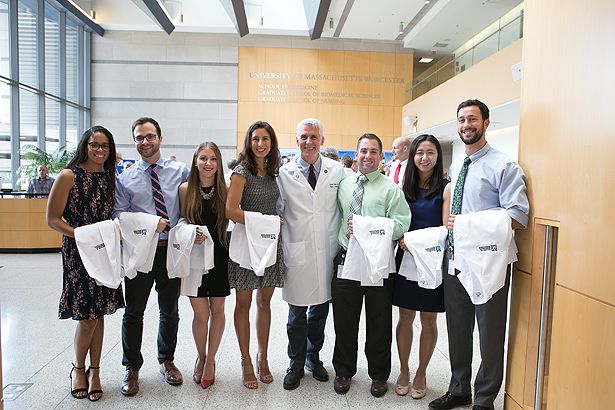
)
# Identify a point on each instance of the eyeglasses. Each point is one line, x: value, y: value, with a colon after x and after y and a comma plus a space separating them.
x: 149, y: 137
x: 96, y: 146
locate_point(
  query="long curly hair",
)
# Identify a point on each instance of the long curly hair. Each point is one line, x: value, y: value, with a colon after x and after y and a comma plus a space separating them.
x: 247, y: 158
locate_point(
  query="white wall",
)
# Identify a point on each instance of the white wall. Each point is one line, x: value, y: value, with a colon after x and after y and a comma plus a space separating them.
x: 505, y: 140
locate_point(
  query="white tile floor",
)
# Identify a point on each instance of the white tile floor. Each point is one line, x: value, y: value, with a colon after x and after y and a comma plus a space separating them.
x: 37, y: 348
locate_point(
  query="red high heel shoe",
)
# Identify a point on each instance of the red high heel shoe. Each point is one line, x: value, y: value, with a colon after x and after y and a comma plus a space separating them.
x: 205, y: 383
x: 197, y: 375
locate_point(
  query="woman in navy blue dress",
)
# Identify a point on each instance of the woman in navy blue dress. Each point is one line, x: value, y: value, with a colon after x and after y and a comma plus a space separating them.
x: 428, y: 196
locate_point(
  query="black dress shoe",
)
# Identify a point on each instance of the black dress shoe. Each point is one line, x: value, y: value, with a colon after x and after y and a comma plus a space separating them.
x: 379, y: 388
x: 292, y: 378
x: 477, y: 407
x: 318, y: 371
x: 450, y: 401
x: 130, y: 384
x: 341, y: 384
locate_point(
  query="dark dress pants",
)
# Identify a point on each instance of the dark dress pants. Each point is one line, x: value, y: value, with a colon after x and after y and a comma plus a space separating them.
x: 306, y: 333
x: 347, y: 296
x: 491, y: 319
x: 137, y: 292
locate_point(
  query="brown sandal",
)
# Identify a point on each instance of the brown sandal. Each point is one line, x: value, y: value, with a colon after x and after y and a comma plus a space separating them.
x: 248, y: 377
x: 264, y: 373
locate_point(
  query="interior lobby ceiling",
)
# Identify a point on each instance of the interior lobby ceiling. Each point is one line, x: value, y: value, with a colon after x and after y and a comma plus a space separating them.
x: 435, y: 27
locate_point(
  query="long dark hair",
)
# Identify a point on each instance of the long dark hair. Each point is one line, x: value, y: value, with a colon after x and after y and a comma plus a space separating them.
x: 246, y: 156
x: 194, y: 205
x: 412, y: 176
x: 81, y: 155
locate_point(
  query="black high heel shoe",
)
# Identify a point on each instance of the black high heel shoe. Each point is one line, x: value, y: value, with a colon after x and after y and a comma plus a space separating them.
x: 75, y: 392
x: 92, y: 393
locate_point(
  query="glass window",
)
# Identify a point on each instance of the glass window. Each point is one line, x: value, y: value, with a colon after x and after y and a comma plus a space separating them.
x: 4, y: 38
x: 511, y: 33
x: 5, y: 135
x: 52, y: 50
x: 72, y: 124
x: 72, y: 61
x: 486, y: 48
x: 26, y: 27
x: 52, y: 124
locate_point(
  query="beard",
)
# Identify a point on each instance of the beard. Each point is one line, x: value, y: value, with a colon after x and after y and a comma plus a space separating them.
x: 478, y: 134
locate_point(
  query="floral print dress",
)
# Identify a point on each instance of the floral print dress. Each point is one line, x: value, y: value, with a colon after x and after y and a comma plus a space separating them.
x: 87, y: 203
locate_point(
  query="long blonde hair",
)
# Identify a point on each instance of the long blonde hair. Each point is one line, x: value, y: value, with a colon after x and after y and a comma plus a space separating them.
x: 194, y: 205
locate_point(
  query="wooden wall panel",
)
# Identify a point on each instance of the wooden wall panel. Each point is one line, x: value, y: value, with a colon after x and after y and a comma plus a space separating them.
x: 369, y: 102
x: 566, y: 185
x: 566, y: 148
x: 582, y: 359
x: 517, y: 336
x: 511, y: 404
x: 23, y: 225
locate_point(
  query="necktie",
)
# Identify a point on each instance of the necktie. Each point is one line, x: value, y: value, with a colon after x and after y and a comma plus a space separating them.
x: 312, y: 177
x: 458, y: 196
x: 161, y: 209
x: 396, y: 175
x: 357, y: 198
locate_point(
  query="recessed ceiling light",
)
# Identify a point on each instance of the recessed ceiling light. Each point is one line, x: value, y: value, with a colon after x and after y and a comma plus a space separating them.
x: 426, y: 60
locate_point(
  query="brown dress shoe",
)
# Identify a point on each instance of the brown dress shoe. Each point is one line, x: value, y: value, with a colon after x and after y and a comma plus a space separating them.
x: 341, y: 384
x: 171, y: 374
x: 130, y: 384
x: 379, y: 388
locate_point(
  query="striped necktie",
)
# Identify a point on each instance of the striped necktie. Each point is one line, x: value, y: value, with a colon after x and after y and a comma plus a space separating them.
x: 458, y: 197
x: 357, y: 198
x: 161, y: 209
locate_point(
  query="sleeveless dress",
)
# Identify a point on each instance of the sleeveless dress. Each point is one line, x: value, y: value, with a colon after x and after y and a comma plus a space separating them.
x: 81, y: 297
x: 260, y: 194
x: 215, y: 282
x: 426, y: 213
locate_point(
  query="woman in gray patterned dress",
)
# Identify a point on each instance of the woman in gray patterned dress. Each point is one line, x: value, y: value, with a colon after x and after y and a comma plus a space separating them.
x: 253, y: 188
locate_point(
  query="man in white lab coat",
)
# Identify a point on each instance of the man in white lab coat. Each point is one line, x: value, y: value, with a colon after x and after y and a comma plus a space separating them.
x: 308, y: 192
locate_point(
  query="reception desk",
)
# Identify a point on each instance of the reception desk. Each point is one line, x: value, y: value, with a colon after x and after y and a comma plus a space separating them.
x: 23, y: 226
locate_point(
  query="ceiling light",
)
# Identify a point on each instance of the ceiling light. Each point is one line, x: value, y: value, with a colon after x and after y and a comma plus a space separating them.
x: 331, y: 23
x: 425, y: 60
x: 427, y: 2
x: 401, y: 27
x: 93, y: 14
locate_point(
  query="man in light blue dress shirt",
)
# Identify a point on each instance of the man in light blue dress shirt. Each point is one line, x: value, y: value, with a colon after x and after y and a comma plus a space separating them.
x: 493, y: 180
x: 133, y: 193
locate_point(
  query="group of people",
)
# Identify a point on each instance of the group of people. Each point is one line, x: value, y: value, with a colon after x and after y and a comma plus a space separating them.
x: 317, y: 201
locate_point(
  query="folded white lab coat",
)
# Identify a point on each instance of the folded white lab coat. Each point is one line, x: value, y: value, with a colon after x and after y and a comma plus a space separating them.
x: 370, y: 256
x: 139, y: 242
x: 254, y: 244
x: 423, y: 263
x: 187, y: 260
x: 100, y: 251
x: 484, y: 246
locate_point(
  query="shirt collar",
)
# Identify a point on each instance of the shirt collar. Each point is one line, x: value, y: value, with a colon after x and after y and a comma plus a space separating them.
x: 371, y: 176
x: 304, y: 165
x: 480, y: 153
x: 145, y: 165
